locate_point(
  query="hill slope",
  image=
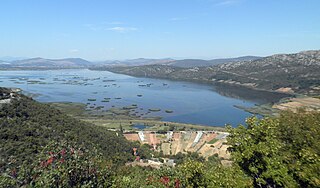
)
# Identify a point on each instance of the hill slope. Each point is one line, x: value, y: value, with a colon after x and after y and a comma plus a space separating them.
x: 298, y: 73
x: 133, y: 62
x: 185, y: 63
x: 188, y: 63
x: 26, y: 126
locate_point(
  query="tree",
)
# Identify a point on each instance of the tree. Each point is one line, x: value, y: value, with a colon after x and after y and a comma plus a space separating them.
x: 257, y: 150
x: 192, y: 174
x: 220, y: 176
x: 301, y: 134
x: 279, y: 152
x: 120, y: 128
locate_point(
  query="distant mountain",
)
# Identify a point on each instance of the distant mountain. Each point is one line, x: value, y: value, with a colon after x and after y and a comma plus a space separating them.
x: 134, y: 62
x: 42, y: 63
x: 229, y: 60
x: 188, y: 63
x: 49, y: 63
x: 9, y: 58
x: 143, y: 61
x: 4, y: 64
x: 299, y: 73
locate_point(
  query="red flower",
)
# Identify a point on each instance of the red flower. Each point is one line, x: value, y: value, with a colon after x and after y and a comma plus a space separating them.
x: 50, y: 160
x: 62, y: 160
x: 165, y: 180
x: 177, y: 183
x: 63, y: 152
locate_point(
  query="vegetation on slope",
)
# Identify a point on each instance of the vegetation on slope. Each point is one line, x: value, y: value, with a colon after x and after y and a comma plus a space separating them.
x: 300, y: 72
x: 26, y: 126
x: 40, y: 147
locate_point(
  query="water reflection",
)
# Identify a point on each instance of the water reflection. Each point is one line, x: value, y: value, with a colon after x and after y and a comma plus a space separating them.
x: 242, y: 93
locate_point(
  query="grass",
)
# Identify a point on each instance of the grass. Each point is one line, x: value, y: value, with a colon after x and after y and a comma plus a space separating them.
x: 213, y: 141
x: 73, y: 109
x: 264, y: 110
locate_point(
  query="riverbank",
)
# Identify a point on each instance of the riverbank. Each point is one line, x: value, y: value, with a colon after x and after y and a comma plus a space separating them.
x: 119, y: 118
x: 293, y: 104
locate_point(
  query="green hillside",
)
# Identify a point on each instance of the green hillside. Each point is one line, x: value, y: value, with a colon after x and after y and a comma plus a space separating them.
x: 26, y: 126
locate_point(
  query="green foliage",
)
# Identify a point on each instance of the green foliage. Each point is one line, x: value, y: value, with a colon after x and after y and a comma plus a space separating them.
x: 192, y: 174
x: 282, y: 152
x: 214, y: 160
x: 301, y: 134
x: 8, y: 182
x: 145, y: 152
x: 68, y: 165
x: 26, y: 126
x: 219, y: 176
x: 182, y: 157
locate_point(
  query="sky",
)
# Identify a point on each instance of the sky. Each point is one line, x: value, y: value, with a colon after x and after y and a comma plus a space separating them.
x: 99, y: 30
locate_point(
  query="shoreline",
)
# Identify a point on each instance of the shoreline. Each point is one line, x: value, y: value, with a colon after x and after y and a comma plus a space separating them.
x: 124, y: 120
x: 204, y: 82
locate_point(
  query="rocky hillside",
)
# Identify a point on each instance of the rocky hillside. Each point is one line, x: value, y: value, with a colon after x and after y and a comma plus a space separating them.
x: 188, y: 63
x: 298, y: 73
x: 184, y: 63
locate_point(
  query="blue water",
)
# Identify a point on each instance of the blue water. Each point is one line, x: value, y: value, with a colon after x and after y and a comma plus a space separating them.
x: 139, y: 126
x: 190, y: 103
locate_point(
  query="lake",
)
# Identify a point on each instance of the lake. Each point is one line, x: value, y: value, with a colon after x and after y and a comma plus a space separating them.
x: 178, y: 101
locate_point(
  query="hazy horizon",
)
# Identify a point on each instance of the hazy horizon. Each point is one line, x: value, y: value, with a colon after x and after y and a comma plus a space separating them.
x: 11, y: 58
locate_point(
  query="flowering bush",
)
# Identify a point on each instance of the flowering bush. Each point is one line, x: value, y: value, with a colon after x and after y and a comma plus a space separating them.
x: 65, y: 165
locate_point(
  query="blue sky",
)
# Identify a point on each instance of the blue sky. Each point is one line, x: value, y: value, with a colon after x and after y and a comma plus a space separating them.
x: 123, y: 29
